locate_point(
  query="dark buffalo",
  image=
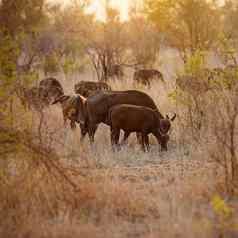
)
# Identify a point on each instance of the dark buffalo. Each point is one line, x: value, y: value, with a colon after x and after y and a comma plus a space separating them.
x: 95, y: 110
x: 69, y: 106
x: 52, y: 89
x: 145, y: 76
x: 50, y: 83
x: 89, y: 88
x: 144, y: 120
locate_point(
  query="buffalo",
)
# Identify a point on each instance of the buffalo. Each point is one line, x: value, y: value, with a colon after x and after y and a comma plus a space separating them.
x: 145, y: 76
x: 89, y: 88
x: 144, y: 120
x: 95, y: 109
x: 69, y: 106
x: 52, y: 89
x: 50, y: 83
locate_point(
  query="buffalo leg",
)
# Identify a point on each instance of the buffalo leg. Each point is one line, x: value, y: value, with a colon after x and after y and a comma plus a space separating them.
x: 91, y: 133
x: 126, y: 135
x: 115, y: 135
x: 112, y: 138
x: 84, y: 132
x: 72, y: 125
x: 147, y: 142
x: 139, y: 138
x: 148, y: 83
x: 162, y: 140
x: 143, y: 142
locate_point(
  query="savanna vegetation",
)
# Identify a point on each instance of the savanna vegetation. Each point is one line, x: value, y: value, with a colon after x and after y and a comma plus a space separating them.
x: 53, y: 185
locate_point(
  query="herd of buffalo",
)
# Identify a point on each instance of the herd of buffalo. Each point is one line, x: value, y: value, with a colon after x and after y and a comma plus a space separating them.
x: 130, y: 111
x: 96, y: 102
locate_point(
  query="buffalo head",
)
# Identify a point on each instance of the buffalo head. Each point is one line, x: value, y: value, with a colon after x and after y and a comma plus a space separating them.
x: 165, y: 124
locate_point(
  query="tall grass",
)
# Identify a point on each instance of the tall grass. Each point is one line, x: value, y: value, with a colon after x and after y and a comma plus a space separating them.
x: 61, y: 188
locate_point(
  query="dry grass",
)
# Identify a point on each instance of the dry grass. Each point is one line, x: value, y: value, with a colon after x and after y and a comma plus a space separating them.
x: 123, y: 194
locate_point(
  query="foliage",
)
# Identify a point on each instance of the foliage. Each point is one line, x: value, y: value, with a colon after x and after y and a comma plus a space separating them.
x: 195, y: 64
x: 144, y: 42
x: 188, y: 25
x: 108, y: 44
x: 21, y: 15
x: 51, y: 64
x: 9, y: 53
x: 72, y: 29
x: 226, y: 219
x: 229, y: 11
x: 226, y: 49
x: 221, y: 208
x: 14, y: 26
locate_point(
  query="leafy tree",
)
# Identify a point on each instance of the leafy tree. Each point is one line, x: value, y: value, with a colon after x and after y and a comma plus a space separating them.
x: 19, y: 19
x: 144, y: 42
x: 228, y: 44
x: 70, y: 31
x: 188, y: 25
x: 20, y: 15
x: 230, y: 12
x: 107, y: 44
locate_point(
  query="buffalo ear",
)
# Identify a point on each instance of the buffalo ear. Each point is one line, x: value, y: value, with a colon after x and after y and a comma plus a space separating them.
x: 173, y: 118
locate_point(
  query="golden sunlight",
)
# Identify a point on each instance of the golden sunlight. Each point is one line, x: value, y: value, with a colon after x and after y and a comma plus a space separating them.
x: 97, y: 7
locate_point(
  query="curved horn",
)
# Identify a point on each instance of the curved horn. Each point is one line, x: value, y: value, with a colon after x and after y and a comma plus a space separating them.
x: 60, y: 99
x: 173, y: 118
x: 55, y: 101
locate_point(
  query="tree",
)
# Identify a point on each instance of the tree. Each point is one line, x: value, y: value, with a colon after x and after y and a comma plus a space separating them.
x: 188, y: 25
x: 20, y: 15
x: 144, y: 42
x: 70, y: 31
x: 229, y: 40
x: 19, y: 19
x: 108, y: 44
x: 230, y: 12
